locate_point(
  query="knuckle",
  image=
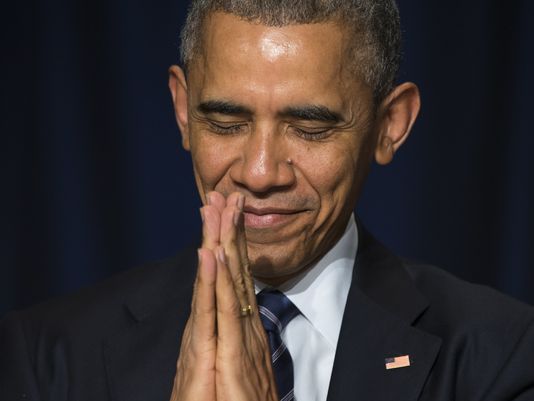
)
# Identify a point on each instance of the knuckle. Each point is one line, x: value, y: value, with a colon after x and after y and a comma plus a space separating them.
x: 230, y: 242
x: 231, y: 308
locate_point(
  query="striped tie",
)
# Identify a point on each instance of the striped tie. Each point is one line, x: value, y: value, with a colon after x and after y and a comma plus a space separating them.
x: 276, y: 311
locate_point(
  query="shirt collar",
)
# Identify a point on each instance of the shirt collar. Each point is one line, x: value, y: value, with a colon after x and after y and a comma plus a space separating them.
x: 321, y: 292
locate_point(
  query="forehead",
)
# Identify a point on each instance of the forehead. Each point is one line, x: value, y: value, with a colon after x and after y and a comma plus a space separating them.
x: 305, y: 60
x: 228, y: 29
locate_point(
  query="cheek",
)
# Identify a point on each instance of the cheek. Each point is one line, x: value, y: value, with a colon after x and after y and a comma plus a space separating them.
x: 331, y: 173
x: 211, y: 160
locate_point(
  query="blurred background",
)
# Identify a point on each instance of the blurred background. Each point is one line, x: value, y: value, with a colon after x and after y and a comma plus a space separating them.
x: 94, y: 180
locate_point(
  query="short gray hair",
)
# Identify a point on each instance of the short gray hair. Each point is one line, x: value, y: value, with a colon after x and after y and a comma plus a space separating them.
x: 374, y: 27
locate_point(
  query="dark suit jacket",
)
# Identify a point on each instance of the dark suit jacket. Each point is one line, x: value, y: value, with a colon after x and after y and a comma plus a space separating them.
x: 120, y: 340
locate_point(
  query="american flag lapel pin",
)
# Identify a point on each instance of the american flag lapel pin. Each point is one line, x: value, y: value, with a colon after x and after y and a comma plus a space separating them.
x: 398, y: 362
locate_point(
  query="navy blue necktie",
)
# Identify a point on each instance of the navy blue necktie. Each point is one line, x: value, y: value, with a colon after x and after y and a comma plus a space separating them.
x: 276, y: 311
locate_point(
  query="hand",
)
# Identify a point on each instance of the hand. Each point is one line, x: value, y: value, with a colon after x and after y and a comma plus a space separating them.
x: 195, y: 369
x: 243, y: 365
x: 224, y: 356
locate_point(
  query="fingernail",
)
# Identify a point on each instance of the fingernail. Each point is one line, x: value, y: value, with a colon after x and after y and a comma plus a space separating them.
x: 202, y: 214
x: 221, y: 255
x: 241, y: 202
x: 237, y: 214
x: 199, y: 256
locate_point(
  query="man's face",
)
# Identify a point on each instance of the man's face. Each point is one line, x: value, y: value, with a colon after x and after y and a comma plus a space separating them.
x: 275, y: 114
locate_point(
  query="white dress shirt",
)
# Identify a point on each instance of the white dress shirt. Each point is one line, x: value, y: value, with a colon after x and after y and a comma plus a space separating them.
x: 320, y: 293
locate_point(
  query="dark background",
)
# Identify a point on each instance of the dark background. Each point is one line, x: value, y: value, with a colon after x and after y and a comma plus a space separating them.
x: 94, y: 180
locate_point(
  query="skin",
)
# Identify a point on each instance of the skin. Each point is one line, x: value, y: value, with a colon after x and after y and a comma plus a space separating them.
x: 256, y: 97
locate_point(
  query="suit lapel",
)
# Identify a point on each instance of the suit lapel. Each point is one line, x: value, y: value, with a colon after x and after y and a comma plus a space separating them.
x: 382, y: 305
x: 141, y: 359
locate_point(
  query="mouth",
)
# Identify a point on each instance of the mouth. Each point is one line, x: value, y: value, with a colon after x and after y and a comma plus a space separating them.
x: 268, y: 217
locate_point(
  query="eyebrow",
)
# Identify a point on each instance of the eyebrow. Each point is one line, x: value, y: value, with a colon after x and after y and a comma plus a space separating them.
x: 312, y: 113
x: 307, y: 112
x: 222, y: 107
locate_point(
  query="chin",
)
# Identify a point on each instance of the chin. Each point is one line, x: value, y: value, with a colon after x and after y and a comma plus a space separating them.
x: 275, y: 264
x: 268, y: 264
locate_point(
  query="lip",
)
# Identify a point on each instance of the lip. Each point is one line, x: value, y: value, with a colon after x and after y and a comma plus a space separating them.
x: 268, y: 210
x: 268, y: 217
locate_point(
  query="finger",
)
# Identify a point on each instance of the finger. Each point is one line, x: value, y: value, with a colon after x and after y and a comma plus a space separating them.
x: 236, y: 199
x: 229, y: 329
x: 216, y: 199
x: 241, y: 243
x: 246, y: 271
x: 250, y: 287
x: 204, y: 304
x: 211, y: 220
x: 230, y: 219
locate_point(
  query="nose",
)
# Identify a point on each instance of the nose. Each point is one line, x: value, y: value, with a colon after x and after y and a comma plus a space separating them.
x: 263, y: 166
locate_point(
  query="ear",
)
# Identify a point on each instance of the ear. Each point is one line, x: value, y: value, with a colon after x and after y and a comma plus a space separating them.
x: 178, y: 87
x: 397, y: 114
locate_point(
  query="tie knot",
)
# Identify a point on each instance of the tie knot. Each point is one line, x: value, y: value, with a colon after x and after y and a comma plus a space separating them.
x: 276, y: 310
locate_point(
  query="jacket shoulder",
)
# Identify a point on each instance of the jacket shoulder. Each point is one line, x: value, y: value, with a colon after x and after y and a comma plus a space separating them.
x: 463, y: 302
x: 103, y: 305
x: 66, y: 343
x: 487, y: 337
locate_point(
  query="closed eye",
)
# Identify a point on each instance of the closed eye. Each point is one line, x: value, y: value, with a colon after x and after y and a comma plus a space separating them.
x: 312, y: 135
x: 226, y: 129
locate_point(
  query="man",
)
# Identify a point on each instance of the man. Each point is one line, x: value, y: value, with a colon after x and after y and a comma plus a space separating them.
x: 283, y: 106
